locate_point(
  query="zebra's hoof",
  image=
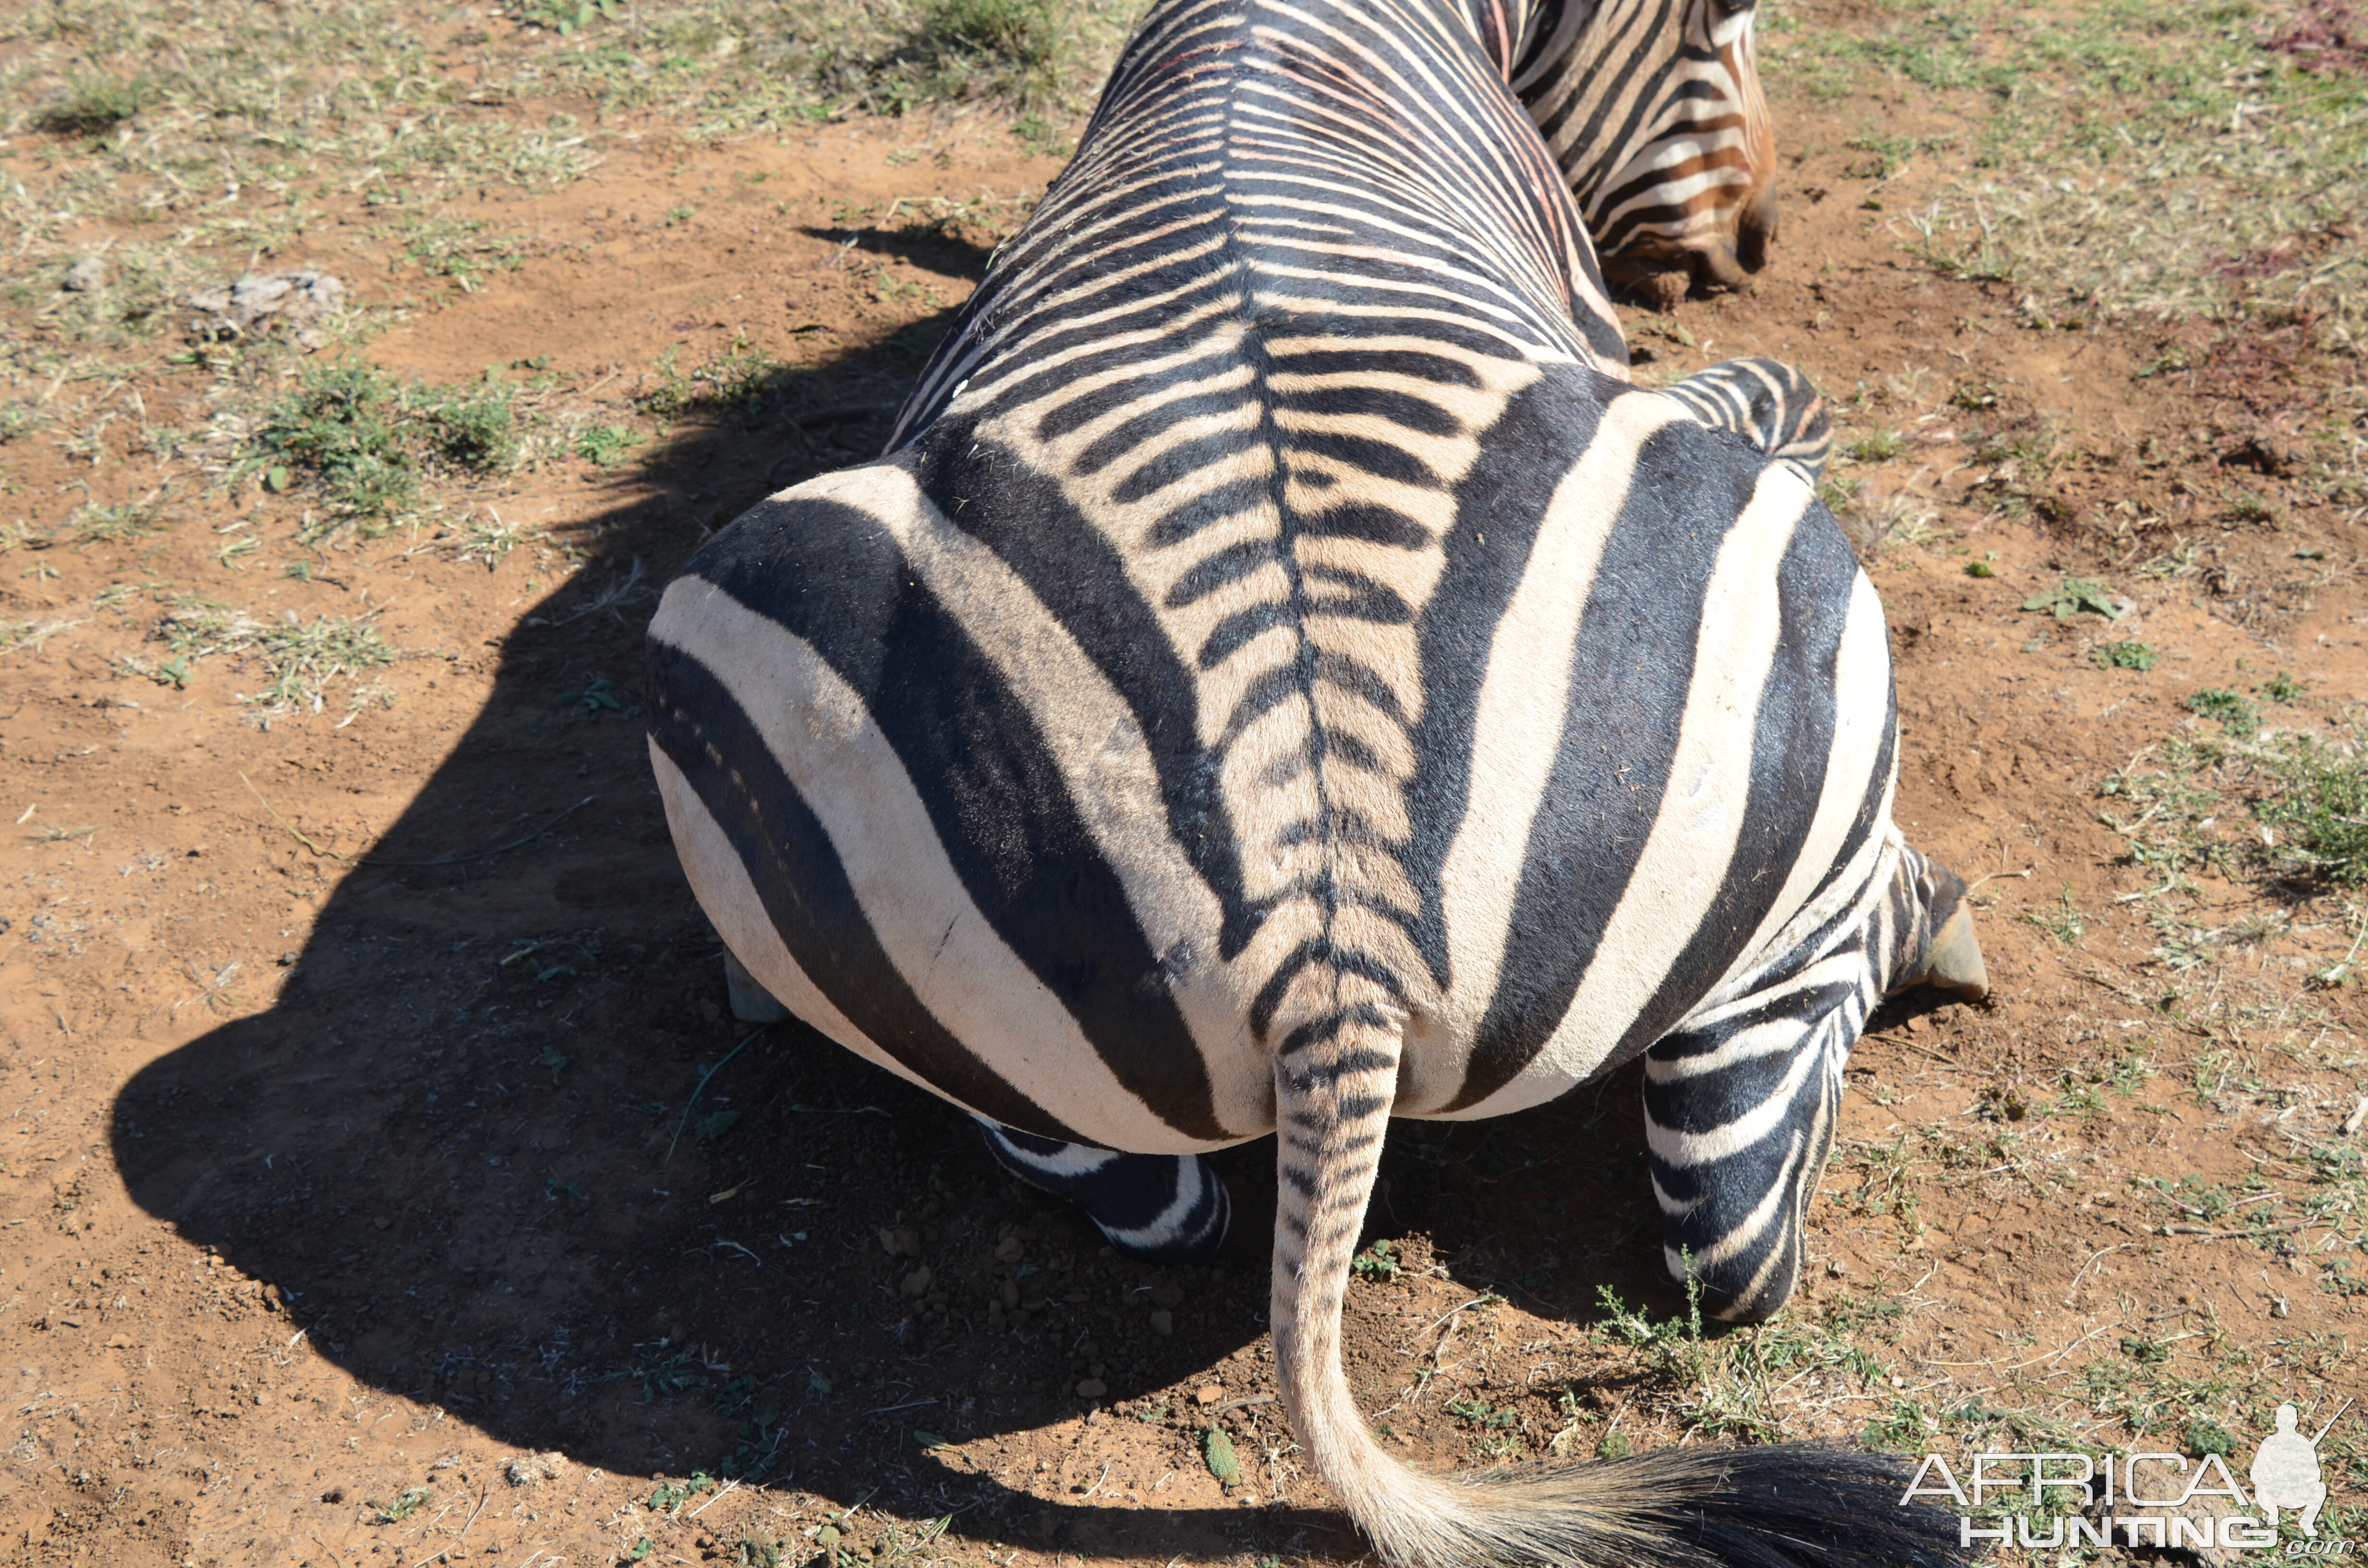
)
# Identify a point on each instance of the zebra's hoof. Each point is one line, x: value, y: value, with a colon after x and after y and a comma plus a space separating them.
x: 751, y: 1002
x: 1954, y: 961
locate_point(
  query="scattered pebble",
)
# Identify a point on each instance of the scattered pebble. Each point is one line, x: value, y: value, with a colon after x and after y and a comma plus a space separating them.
x: 827, y: 1538
x: 529, y: 1469
x: 902, y: 1241
x: 916, y: 1283
x: 1010, y: 1249
x: 1163, y: 1322
x: 1092, y: 1388
x: 294, y: 303
x: 88, y: 276
x: 1208, y: 1393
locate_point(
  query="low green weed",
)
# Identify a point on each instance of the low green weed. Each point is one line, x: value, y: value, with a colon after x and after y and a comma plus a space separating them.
x: 2319, y: 808
x: 2072, y: 596
x: 367, y: 440
x: 95, y: 102
x: 2236, y: 714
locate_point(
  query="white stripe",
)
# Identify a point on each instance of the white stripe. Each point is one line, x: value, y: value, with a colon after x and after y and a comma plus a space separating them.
x: 1686, y: 856
x: 852, y: 781
x: 731, y: 900
x: 1523, y: 706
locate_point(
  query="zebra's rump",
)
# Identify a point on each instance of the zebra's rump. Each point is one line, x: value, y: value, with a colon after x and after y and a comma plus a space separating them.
x: 972, y: 784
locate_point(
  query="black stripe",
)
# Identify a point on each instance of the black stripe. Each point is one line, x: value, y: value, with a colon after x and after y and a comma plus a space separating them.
x: 1631, y: 672
x: 1498, y: 506
x: 980, y: 765
x: 1792, y: 743
x: 804, y: 889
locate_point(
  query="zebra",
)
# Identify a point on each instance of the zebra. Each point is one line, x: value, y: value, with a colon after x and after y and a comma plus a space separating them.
x: 1282, y: 675
x: 1670, y: 153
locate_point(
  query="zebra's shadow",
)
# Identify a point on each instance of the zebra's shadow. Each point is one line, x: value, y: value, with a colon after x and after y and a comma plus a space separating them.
x: 498, y: 1148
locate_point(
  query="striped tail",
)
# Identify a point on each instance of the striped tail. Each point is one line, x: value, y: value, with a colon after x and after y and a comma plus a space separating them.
x: 1794, y: 1506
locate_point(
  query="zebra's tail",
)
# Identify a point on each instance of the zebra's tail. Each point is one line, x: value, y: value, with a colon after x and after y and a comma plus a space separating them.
x: 1794, y: 1506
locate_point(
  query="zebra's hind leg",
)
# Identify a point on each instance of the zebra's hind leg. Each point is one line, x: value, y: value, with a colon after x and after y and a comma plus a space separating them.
x: 1741, y: 1098
x: 1159, y: 1208
x: 751, y: 1002
x: 1767, y: 402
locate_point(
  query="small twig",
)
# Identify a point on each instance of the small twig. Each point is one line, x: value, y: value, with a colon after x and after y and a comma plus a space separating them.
x: 711, y: 1073
x: 1239, y: 1404
x: 293, y: 832
x: 2023, y: 875
x: 479, y: 1509
x: 460, y: 859
x: 2083, y: 1270
x: 713, y: 1501
x: 909, y: 1404
x: 1444, y: 1316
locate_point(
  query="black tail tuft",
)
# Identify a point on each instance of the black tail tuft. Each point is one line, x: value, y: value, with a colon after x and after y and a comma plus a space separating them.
x: 1785, y: 1505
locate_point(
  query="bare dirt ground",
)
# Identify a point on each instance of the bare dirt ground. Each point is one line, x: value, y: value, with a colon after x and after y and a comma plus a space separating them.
x: 385, y: 1181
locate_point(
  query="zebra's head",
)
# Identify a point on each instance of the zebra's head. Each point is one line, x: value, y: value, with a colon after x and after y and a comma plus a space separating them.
x: 1654, y: 111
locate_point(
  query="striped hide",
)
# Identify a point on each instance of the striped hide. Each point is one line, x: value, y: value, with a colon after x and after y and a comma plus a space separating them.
x: 1653, y: 109
x: 1283, y: 676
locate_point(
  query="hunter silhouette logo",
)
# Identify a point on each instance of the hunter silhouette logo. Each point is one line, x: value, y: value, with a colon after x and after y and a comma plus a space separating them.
x: 2147, y: 1498
x: 2285, y: 1473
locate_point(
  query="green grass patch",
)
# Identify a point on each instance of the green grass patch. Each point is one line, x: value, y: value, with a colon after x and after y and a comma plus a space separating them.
x: 2127, y: 155
x: 298, y: 660
x: 2320, y: 806
x: 365, y: 440
x: 93, y: 103
x: 461, y: 249
x: 2184, y: 805
x: 2236, y: 714
x: 1878, y: 446
x: 2125, y: 656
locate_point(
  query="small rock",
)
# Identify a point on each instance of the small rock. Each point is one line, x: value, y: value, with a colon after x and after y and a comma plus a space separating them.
x: 1010, y: 1293
x: 1166, y: 1293
x: 1163, y: 1322
x: 901, y: 1241
x: 88, y: 276
x: 916, y: 1284
x: 1010, y: 1249
x: 827, y: 1538
x: 1836, y: 1267
x: 1208, y: 1393
x: 294, y: 305
x: 527, y: 1470
x: 1092, y: 1388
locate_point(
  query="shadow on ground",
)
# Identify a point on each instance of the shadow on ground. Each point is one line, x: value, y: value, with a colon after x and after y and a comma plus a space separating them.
x: 470, y: 1148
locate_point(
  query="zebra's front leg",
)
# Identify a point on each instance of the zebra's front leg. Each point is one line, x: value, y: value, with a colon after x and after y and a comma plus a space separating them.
x: 1742, y: 1099
x: 1158, y: 1207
